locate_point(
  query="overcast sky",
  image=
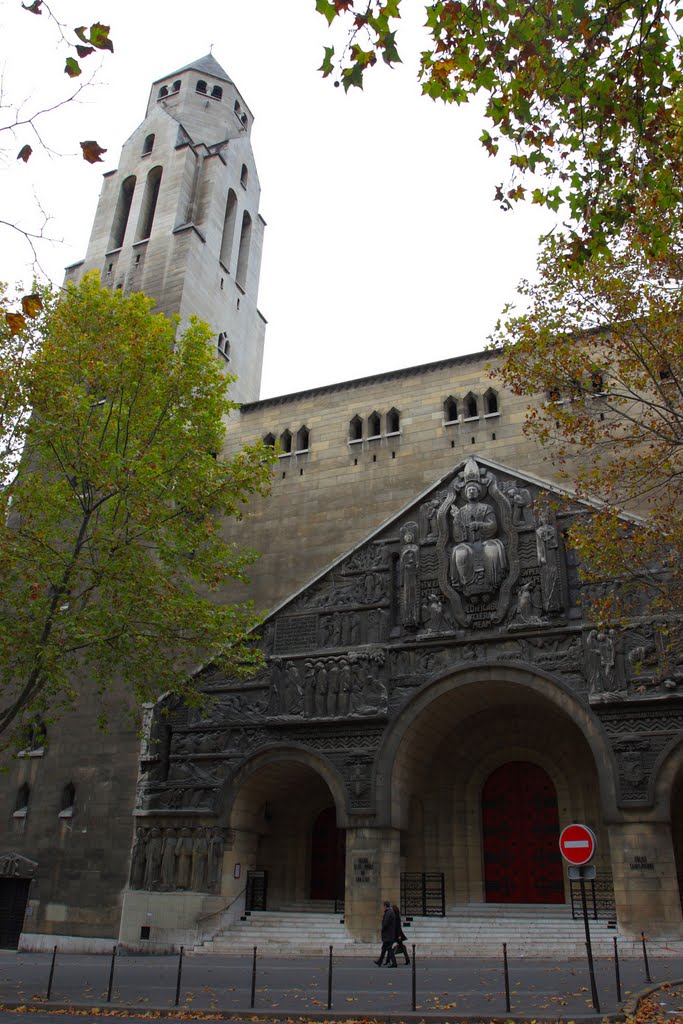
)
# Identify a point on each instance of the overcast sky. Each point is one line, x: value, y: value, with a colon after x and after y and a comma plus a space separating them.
x: 384, y: 247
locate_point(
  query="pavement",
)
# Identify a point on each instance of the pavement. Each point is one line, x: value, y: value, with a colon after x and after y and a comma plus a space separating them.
x: 298, y: 987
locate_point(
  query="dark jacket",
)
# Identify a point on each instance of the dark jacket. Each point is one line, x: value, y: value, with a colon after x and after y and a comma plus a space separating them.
x: 400, y: 935
x: 388, y: 925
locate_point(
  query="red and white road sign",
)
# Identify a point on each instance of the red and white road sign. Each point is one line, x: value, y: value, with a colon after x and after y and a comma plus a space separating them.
x: 577, y: 844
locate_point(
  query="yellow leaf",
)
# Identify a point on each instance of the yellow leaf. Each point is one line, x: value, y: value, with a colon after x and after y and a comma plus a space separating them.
x: 16, y: 322
x: 31, y: 305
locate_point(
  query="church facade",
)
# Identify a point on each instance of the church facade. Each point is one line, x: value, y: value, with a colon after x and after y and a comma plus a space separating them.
x: 436, y: 703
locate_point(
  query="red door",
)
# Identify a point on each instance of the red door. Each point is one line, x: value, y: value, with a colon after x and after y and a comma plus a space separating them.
x: 521, y: 831
x: 328, y: 857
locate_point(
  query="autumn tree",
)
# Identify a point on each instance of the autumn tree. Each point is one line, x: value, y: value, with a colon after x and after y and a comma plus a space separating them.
x: 599, y: 351
x: 583, y: 95
x: 110, y: 546
x: 23, y: 121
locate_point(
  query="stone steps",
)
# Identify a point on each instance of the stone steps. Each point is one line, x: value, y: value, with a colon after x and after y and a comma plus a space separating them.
x: 468, y: 932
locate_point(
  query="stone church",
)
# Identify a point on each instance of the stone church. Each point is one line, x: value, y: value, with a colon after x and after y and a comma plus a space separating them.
x: 436, y: 704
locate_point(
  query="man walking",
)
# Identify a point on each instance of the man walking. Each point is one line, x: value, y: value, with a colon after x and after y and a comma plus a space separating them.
x: 388, y: 936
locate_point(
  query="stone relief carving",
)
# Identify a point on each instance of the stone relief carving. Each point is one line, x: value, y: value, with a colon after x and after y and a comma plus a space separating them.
x: 548, y: 553
x: 478, y: 559
x: 633, y: 664
x: 373, y: 556
x: 409, y: 573
x: 13, y: 865
x: 343, y: 687
x: 177, y: 859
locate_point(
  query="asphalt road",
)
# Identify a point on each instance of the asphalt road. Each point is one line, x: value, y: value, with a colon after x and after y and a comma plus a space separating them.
x: 290, y: 986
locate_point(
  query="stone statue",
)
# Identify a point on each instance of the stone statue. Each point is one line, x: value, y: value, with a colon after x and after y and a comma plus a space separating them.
x: 410, y: 589
x: 593, y: 664
x: 276, y: 684
x: 345, y: 683
x: 215, y: 859
x: 168, y: 860
x: 138, y: 858
x: 183, y: 854
x: 428, y: 511
x: 309, y: 690
x: 293, y: 695
x: 200, y: 855
x: 153, y: 865
x: 433, y: 614
x: 547, y: 550
x: 478, y: 561
x: 320, y: 689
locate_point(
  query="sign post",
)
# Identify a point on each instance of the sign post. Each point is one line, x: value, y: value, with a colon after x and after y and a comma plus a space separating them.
x: 577, y: 846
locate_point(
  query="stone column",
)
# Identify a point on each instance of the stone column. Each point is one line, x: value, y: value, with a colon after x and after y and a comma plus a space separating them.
x: 644, y: 873
x: 373, y: 874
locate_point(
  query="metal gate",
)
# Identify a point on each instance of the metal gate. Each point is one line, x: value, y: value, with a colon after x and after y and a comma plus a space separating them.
x: 422, y: 894
x: 257, y: 890
x: 599, y: 898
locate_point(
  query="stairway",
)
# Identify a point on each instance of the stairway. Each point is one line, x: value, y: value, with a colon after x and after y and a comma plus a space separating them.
x: 472, y: 930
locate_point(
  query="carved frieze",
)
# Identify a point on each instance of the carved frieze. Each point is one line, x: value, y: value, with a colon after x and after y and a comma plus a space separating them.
x: 169, y: 859
x: 638, y: 740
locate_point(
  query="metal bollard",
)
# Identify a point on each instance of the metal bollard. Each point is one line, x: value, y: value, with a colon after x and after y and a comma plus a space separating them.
x: 617, y: 972
x: 111, y: 974
x: 253, y: 980
x: 414, y: 980
x: 329, y: 982
x: 507, y: 977
x: 180, y: 972
x: 645, y: 959
x: 52, y: 974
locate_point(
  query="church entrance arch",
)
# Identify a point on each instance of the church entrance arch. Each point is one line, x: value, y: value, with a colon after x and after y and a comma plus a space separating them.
x: 476, y: 752
x: 520, y: 836
x: 283, y: 821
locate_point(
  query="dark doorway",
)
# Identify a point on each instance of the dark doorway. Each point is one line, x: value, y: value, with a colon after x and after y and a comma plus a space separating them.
x: 328, y: 857
x: 520, y: 825
x: 13, y: 897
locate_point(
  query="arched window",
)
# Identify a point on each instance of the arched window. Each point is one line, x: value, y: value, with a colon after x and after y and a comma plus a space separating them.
x: 237, y: 108
x: 201, y: 86
x: 244, y: 176
x: 356, y: 429
x: 286, y: 442
x: 471, y: 411
x: 243, y: 256
x: 393, y: 421
x: 223, y: 345
x: 149, y: 204
x: 450, y: 410
x: 302, y: 439
x: 163, y: 92
x: 123, y: 206
x: 66, y: 806
x: 176, y: 85
x: 597, y: 382
x: 148, y: 145
x: 374, y: 424
x: 21, y: 802
x: 217, y: 92
x: 490, y: 403
x: 269, y: 440
x: 228, y: 229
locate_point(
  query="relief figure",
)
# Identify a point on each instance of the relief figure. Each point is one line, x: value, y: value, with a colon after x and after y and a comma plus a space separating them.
x: 478, y: 561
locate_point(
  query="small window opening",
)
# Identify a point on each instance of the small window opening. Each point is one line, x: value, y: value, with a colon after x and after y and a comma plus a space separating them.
x: 450, y: 410
x: 149, y: 203
x: 223, y: 345
x: 222, y: 283
x: 471, y: 411
x: 301, y: 472
x: 493, y: 437
x: 176, y: 85
x: 244, y: 176
x: 243, y: 255
x: 110, y: 267
x: 269, y: 440
x: 137, y: 259
x: 228, y: 236
x: 355, y: 462
x: 148, y: 145
x: 303, y: 439
x: 238, y: 303
x: 374, y: 424
x: 374, y: 458
x: 554, y: 395
x: 393, y: 421
x: 393, y: 455
x: 284, y: 475
x: 490, y: 402
x: 356, y: 429
x: 163, y: 92
x: 237, y: 108
x: 452, y: 444
x: 217, y: 92
x: 201, y: 86
x: 597, y: 382
x: 473, y: 441
x: 286, y: 442
x: 66, y: 806
x: 21, y: 802
x: 144, y: 931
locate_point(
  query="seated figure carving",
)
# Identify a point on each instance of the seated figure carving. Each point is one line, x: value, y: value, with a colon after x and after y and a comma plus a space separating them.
x: 478, y: 560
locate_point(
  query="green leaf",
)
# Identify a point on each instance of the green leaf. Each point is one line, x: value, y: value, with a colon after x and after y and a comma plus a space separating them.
x: 327, y: 66
x: 327, y: 9
x: 72, y: 67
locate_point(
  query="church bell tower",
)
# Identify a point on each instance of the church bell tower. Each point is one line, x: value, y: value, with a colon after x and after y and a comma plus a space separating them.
x: 179, y: 218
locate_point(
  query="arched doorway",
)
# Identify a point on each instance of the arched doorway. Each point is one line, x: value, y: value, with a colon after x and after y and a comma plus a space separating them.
x: 328, y: 857
x: 520, y: 834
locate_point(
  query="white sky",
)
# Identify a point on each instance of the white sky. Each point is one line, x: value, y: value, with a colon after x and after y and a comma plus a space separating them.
x: 384, y: 247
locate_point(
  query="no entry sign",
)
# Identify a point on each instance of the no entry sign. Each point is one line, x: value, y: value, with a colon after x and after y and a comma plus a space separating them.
x: 577, y: 844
